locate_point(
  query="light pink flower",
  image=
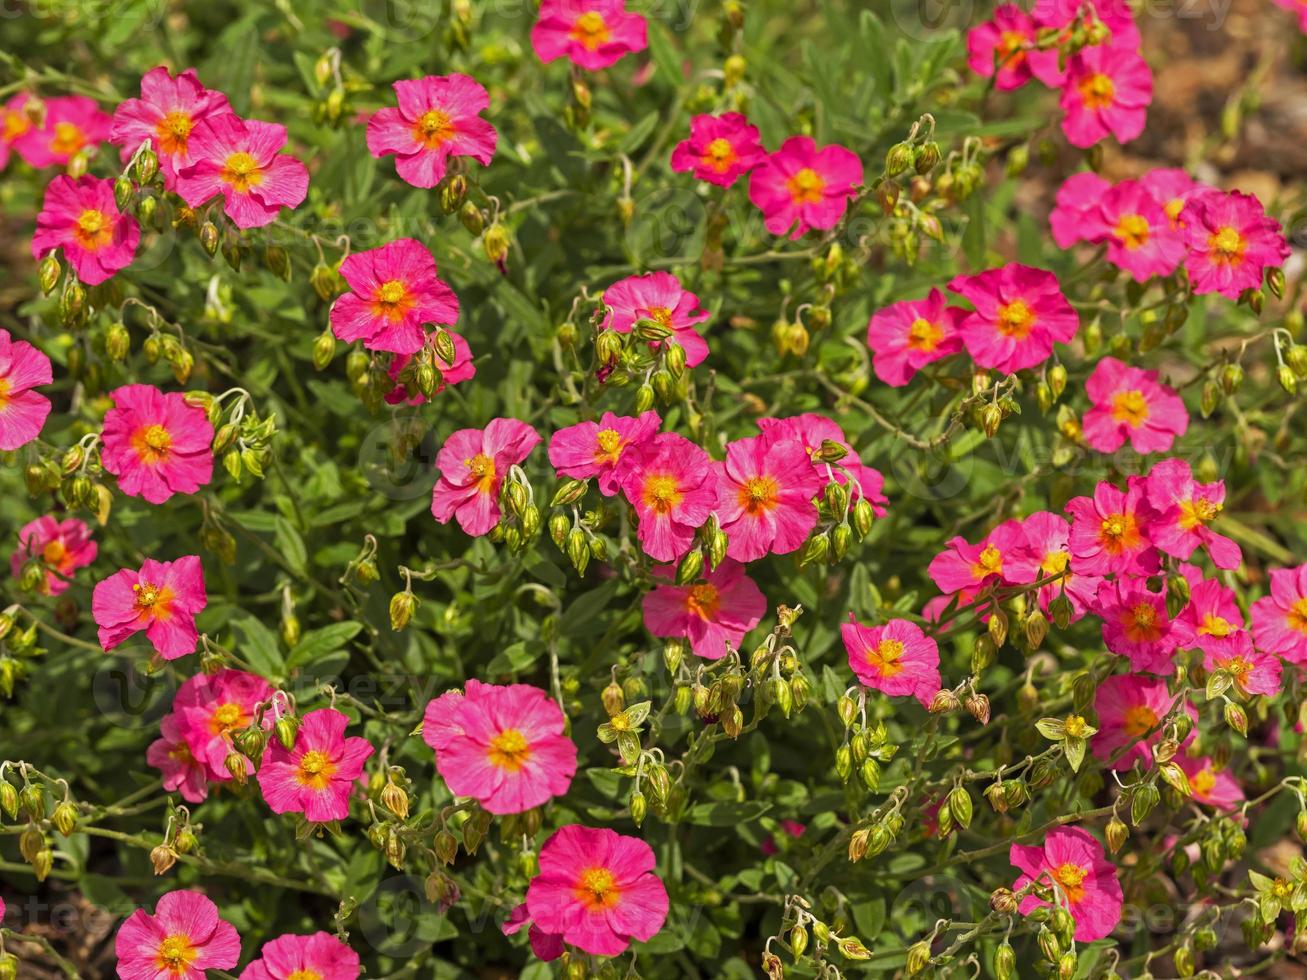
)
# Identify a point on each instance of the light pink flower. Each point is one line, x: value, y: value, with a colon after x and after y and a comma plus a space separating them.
x: 1136, y: 625
x: 80, y: 217
x: 163, y: 599
x: 672, y: 485
x: 211, y: 708
x: 317, y: 775
x: 1020, y: 313
x: 1210, y: 785
x: 714, y: 614
x: 597, y: 449
x: 1130, y: 403
x: 906, y: 336
x: 1002, y: 44
x: 22, y: 411
x: 1107, y: 90
x: 897, y: 659
x: 1139, y: 235
x: 168, y: 109
x: 240, y: 160
x: 473, y: 464
x: 73, y: 123
x: 1109, y: 531
x: 1130, y: 707
x: 1184, y: 509
x: 658, y: 296
x: 597, y: 890
x: 803, y: 186
x: 320, y: 956
x: 765, y: 496
x: 592, y: 34
x: 156, y: 444
x: 461, y: 369
x: 1075, y: 217
x: 1280, y: 619
x: 1211, y: 619
x: 1074, y: 863
x: 182, y: 940
x: 1047, y: 553
x: 394, y: 293
x: 182, y: 772
x: 721, y: 149
x: 1231, y: 242
x: 506, y: 747
x: 438, y: 117
x: 61, y: 547
x: 964, y: 567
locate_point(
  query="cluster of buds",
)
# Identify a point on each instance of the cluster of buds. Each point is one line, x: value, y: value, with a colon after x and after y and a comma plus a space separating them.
x: 30, y: 804
x: 424, y: 373
x: 874, y: 837
x: 840, y: 518
x: 241, y: 438
x: 18, y: 647
x: 75, y: 477
x: 652, y: 786
x: 519, y: 524
x: 791, y: 336
x: 332, y: 96
x: 775, y: 672
x: 368, y: 375
x: 991, y: 403
x: 576, y: 533
x: 648, y: 354
x: 866, y: 746
x: 804, y: 934
x: 708, y: 551
x: 180, y: 837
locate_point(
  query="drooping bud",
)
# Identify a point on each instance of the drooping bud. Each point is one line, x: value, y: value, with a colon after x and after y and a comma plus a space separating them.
x: 49, y: 273
x: 162, y: 858
x: 402, y: 605
x: 64, y: 818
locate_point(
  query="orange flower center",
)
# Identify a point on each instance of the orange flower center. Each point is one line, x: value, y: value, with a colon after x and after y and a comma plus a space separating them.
x: 1016, y: 320
x: 989, y: 562
x: 227, y: 718
x: 609, y: 446
x: 661, y: 315
x: 1227, y: 246
x: 590, y: 30
x: 241, y: 172
x: 1239, y: 669
x: 886, y: 657
x: 173, y: 131
x: 759, y: 494
x: 13, y: 125
x: 1097, y: 91
x: 304, y: 975
x: 1141, y: 623
x: 1011, y: 49
x: 93, y: 230
x: 1296, y: 617
x: 1133, y: 231
x: 719, y: 155
x: 55, y: 553
x: 1119, y: 533
x: 1138, y: 719
x: 433, y: 129
x: 1130, y: 407
x: 703, y: 601
x: 923, y: 335
x: 392, y: 301
x: 482, y: 467
x: 315, y: 770
x: 68, y: 139
x: 662, y: 494
x: 176, y: 953
x: 806, y: 187
x: 152, y: 444
x: 1202, y: 781
x: 597, y: 890
x: 509, y: 750
x: 1070, y: 879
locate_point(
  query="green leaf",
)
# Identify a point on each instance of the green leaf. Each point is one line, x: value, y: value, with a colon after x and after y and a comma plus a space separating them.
x: 258, y: 647
x: 320, y: 642
x: 290, y: 545
x: 727, y: 813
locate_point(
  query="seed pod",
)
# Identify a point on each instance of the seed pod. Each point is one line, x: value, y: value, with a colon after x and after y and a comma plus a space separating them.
x: 32, y: 797
x: 64, y: 818
x: 959, y: 801
x: 162, y: 858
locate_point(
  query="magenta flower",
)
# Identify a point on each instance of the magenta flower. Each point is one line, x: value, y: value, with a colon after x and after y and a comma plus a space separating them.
x: 1130, y: 403
x: 1066, y: 17
x: 1001, y: 45
x: 61, y: 547
x: 1252, y: 671
x: 156, y: 444
x: 1184, y: 509
x: 546, y: 946
x: 1231, y: 242
x: 240, y: 160
x: 1171, y: 188
x: 906, y: 336
x: 73, y: 123
x: 765, y: 496
x: 1139, y: 235
x: 597, y: 890
x: 1129, y: 709
x: 163, y: 599
x: 472, y: 465
x: 167, y: 111
x: 897, y: 659
x: 721, y: 149
x: 505, y: 747
x: 1109, y: 532
x: 461, y: 369
x: 714, y: 614
x: 1210, y: 785
x: 1020, y: 313
x: 1136, y: 625
x: 1075, y: 216
x: 182, y: 772
x: 672, y: 485
x: 811, y: 430
x: 394, y: 293
x: 658, y: 296
x: 1211, y: 619
x: 317, y: 775
x: 182, y: 940
x: 1046, y: 555
x: 80, y: 217
x: 211, y: 708
x: 968, y: 568
x: 803, y: 186
x: 1280, y: 619
x: 1075, y: 865
x: 1108, y: 90
x: 438, y: 117
x: 14, y: 125
x: 592, y: 34
x: 320, y: 956
x: 22, y: 411
x: 598, y: 449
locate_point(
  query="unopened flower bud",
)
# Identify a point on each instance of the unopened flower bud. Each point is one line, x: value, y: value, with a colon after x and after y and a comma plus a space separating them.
x: 64, y: 818
x: 235, y: 764
x: 49, y: 273
x: 1116, y: 833
x: 209, y: 240
x: 147, y: 165
x: 162, y: 858
x: 402, y: 605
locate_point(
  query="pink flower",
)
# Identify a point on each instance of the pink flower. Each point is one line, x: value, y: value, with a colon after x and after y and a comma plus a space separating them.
x: 1171, y: 188
x: 672, y: 485
x: 80, y: 217
x: 1252, y: 671
x: 1111, y: 21
x: 168, y: 109
x: 963, y: 567
x: 765, y: 496
x: 182, y: 772
x: 320, y: 956
x: 803, y: 186
x: 714, y: 615
x: 1075, y: 215
x: 906, y: 336
x: 1075, y: 865
x: 156, y: 444
x: 1139, y: 235
x: 1046, y: 554
x: 240, y: 159
x: 1136, y: 625
x: 1130, y: 403
x: 472, y: 465
x: 163, y: 599
x: 438, y: 118
x: 73, y: 123
x: 1231, y: 242
x: 210, y: 709
x: 1002, y: 43
x: 1280, y: 619
x: 720, y: 150
x: 597, y: 890
x: 462, y: 369
x: 61, y: 547
x: 1210, y: 620
x: 1108, y: 90
x: 22, y: 410
x: 317, y: 775
x: 546, y: 946
x: 394, y: 292
x: 1129, y: 708
x: 592, y: 34
x: 1210, y: 785
x: 658, y: 296
x: 598, y: 449
x: 1109, y: 532
x: 182, y: 940
x: 811, y: 430
x: 897, y: 659
x: 1184, y: 509
x: 1020, y: 313
x: 506, y: 747
x: 14, y: 125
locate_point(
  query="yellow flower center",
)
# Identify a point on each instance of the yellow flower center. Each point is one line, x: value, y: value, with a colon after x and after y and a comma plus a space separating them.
x: 1227, y: 246
x: 609, y: 443
x: 1133, y: 231
x: 173, y: 131
x: 1070, y: 879
x: 68, y: 139
x: 146, y: 595
x: 304, y: 975
x: 719, y: 155
x: 597, y: 890
x: 509, y: 750
x: 703, y: 601
x: 989, y: 562
x: 1214, y: 625
x: 1097, y: 91
x: 392, y: 300
x: 176, y: 953
x: 1055, y: 563
x: 759, y: 494
x: 923, y: 335
x: 315, y: 770
x: 1016, y: 320
x: 1075, y: 726
x: 241, y: 172
x: 1196, y: 513
x: 886, y: 657
x: 806, y: 187
x: 152, y: 443
x: 13, y: 125
x: 1239, y: 669
x: 1138, y: 719
x: 93, y: 230
x: 482, y: 468
x: 1011, y: 49
x: 227, y: 718
x: 590, y: 30
x: 1296, y: 617
x: 662, y: 494
x: 1202, y: 781
x: 1130, y: 407
x: 433, y: 129
x: 55, y: 552
x: 1118, y: 533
